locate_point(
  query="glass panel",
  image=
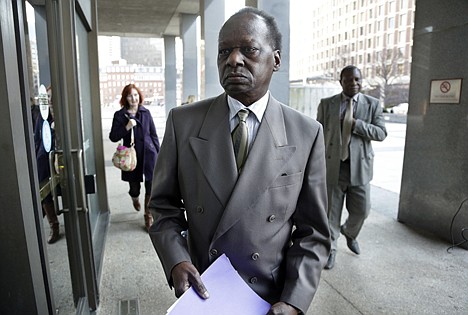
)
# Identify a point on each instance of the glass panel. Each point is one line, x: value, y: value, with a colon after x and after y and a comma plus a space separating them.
x: 86, y: 114
x: 39, y: 74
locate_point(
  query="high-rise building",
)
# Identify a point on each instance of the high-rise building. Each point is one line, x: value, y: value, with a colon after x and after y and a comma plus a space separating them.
x: 142, y: 51
x: 374, y: 35
x: 109, y: 50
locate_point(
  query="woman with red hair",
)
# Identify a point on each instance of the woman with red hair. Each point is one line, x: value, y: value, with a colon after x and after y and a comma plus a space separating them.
x: 133, y: 115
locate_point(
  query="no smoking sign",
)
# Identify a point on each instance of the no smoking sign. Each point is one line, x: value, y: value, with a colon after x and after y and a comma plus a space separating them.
x: 446, y: 91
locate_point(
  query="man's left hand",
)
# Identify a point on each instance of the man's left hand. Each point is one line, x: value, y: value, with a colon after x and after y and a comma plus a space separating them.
x: 282, y: 308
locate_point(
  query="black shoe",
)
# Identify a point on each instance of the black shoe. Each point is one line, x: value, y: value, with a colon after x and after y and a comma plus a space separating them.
x: 351, y: 242
x: 331, y: 260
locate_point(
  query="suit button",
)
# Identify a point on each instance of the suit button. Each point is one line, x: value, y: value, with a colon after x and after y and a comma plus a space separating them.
x: 255, y: 256
x: 253, y: 280
x: 271, y: 218
x: 200, y: 209
x: 213, y: 252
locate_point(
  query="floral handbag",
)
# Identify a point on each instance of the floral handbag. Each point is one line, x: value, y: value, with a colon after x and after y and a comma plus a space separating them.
x: 125, y: 158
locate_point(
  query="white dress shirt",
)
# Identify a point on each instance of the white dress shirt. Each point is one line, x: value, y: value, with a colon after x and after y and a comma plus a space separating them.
x: 254, y: 119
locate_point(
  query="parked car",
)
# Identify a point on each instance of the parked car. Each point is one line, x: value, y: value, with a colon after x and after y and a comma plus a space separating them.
x: 401, y: 109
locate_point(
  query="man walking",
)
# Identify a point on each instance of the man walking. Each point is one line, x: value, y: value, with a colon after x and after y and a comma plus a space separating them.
x: 243, y: 175
x: 350, y: 120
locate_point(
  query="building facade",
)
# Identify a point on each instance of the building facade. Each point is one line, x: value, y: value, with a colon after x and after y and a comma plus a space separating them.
x: 113, y: 78
x: 374, y: 35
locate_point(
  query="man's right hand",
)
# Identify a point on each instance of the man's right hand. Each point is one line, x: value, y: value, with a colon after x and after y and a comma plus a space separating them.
x: 184, y: 276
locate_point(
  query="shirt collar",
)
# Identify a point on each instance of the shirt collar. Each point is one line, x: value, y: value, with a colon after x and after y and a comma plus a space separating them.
x: 258, y: 108
x: 346, y: 97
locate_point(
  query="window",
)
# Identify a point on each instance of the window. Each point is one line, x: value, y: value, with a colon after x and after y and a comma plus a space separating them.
x: 402, y: 37
x: 402, y: 19
x: 401, y: 68
x: 391, y: 23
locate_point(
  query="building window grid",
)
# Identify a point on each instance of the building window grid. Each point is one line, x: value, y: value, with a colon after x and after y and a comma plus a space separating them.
x: 333, y: 53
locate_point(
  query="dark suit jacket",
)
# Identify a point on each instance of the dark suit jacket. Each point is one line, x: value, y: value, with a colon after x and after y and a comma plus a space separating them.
x: 370, y: 125
x: 250, y: 218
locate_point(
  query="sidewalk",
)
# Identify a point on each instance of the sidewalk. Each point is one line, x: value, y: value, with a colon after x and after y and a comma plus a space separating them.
x: 400, y: 270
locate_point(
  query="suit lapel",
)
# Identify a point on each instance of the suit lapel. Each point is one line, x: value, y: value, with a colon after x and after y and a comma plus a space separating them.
x: 266, y: 159
x: 213, y: 150
x: 361, y: 106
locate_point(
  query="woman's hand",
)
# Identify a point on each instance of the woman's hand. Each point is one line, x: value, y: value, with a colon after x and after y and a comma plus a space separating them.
x: 131, y: 123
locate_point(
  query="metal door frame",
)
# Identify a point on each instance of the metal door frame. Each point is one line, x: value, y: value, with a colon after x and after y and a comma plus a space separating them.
x: 84, y: 264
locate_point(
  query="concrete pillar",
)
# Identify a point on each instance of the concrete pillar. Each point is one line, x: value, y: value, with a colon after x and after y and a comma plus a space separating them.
x: 279, y: 86
x: 170, y: 73
x: 190, y: 38
x: 214, y: 17
x: 435, y: 167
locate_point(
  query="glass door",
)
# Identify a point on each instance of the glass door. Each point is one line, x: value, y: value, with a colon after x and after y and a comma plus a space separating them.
x: 65, y: 32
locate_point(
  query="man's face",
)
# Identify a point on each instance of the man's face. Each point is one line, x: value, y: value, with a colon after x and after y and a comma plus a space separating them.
x: 351, y: 82
x: 246, y: 59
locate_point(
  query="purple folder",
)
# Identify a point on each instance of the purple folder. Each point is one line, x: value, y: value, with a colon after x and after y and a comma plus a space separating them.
x: 229, y: 294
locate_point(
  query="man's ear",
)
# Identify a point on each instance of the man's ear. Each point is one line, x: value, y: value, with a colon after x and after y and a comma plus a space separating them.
x: 277, y: 60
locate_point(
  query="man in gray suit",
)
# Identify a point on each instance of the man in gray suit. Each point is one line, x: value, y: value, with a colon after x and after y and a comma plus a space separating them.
x: 350, y: 121
x: 267, y: 213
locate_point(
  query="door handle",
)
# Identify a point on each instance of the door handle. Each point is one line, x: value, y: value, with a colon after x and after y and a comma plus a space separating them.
x: 85, y: 185
x: 81, y: 180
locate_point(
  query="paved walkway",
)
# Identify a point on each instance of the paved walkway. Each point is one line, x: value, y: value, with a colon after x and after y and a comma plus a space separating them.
x: 400, y: 270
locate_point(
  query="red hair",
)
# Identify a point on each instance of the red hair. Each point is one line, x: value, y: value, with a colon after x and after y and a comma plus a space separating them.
x: 126, y: 91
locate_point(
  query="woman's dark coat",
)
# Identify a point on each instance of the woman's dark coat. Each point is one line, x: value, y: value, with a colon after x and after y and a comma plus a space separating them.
x: 146, y: 142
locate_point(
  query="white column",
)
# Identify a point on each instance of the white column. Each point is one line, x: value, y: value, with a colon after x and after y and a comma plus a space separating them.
x: 279, y: 86
x: 214, y: 17
x: 190, y: 39
x: 170, y: 73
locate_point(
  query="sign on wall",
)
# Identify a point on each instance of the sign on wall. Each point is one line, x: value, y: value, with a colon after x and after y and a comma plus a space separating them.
x: 446, y: 91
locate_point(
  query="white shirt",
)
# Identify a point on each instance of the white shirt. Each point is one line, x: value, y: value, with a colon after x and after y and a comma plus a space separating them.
x: 254, y: 119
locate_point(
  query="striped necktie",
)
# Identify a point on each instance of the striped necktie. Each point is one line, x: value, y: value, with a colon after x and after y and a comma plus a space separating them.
x: 240, y: 138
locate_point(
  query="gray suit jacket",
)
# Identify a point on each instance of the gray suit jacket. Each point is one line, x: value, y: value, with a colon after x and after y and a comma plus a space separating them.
x: 370, y: 125
x: 249, y: 217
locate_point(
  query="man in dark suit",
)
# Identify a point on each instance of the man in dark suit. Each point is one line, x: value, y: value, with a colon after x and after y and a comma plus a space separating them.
x: 266, y: 212
x: 350, y: 121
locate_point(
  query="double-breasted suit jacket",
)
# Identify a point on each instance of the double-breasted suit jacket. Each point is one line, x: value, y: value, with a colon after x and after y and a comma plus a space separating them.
x: 369, y: 126
x: 250, y: 216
